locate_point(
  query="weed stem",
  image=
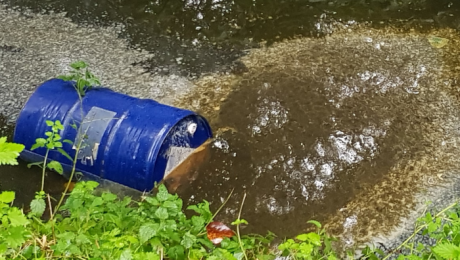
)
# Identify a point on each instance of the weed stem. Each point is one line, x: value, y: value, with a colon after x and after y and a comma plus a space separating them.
x: 238, y: 228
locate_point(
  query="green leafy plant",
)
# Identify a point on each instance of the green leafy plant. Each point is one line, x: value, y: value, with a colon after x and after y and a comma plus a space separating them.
x: 51, y: 142
x: 442, y: 227
x: 83, y: 79
x: 9, y: 152
x: 309, y: 245
x: 90, y: 226
x: 13, y: 223
x: 13, y: 228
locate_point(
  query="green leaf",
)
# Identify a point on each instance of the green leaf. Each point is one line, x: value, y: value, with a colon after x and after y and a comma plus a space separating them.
x: 90, y: 185
x: 428, y: 218
x: 66, y: 237
x: 59, y: 125
x: 67, y: 141
x: 313, y: 238
x: 107, y: 196
x: 49, y: 123
x: 197, y: 253
x: 162, y: 213
x: 305, y: 250
x: 78, y: 65
x: 176, y: 252
x: 65, y: 78
x: 202, y: 209
x: 172, y: 206
x: 147, y: 231
x: 239, y: 255
x: 419, y: 247
x: 432, y: 227
x: 98, y: 201
x: 188, y: 240
x: 145, y: 256
x: 88, y: 74
x: 39, y: 142
x: 198, y: 223
x: 152, y: 201
x: 239, y: 222
x: 286, y: 245
x: 7, y: 196
x: 39, y: 164
x: 448, y: 251
x: 65, y: 153
x: 126, y: 255
x: 82, y: 239
x: 37, y: 206
x: 50, y: 146
x: 29, y: 251
x: 206, y: 242
x: 314, y: 222
x: 17, y: 217
x: 9, y: 152
x: 163, y: 193
x: 15, y: 236
x: 56, y: 166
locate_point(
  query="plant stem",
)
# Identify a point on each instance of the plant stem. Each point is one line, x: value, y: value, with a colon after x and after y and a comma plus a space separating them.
x: 238, y: 228
x: 74, y: 165
x: 51, y: 216
x: 45, y: 160
x: 218, y: 210
x: 75, y: 158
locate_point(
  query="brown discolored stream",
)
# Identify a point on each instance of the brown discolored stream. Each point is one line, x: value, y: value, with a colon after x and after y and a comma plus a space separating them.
x: 345, y: 130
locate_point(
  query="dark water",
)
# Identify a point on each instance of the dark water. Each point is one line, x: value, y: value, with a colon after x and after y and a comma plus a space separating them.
x: 211, y: 35
x: 297, y: 136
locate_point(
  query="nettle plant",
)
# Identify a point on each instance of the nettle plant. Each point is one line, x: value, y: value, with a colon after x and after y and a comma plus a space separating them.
x: 83, y: 80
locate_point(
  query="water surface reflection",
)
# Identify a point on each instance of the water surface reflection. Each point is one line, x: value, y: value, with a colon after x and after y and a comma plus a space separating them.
x: 317, y: 123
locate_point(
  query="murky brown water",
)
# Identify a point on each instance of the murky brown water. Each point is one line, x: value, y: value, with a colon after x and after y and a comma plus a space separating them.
x: 346, y: 126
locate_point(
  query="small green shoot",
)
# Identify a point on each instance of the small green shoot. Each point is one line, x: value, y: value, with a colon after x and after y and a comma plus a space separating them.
x: 83, y: 79
x: 51, y: 142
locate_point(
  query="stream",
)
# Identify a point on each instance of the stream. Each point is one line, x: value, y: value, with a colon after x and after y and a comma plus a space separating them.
x: 345, y: 112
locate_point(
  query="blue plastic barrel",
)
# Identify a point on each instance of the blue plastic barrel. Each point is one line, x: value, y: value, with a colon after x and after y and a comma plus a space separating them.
x: 131, y: 141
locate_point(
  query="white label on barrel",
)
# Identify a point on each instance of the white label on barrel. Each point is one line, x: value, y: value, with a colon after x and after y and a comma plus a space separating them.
x: 91, y: 131
x: 176, y: 156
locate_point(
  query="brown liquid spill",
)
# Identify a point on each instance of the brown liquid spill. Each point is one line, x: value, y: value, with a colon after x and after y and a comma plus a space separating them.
x: 345, y: 130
